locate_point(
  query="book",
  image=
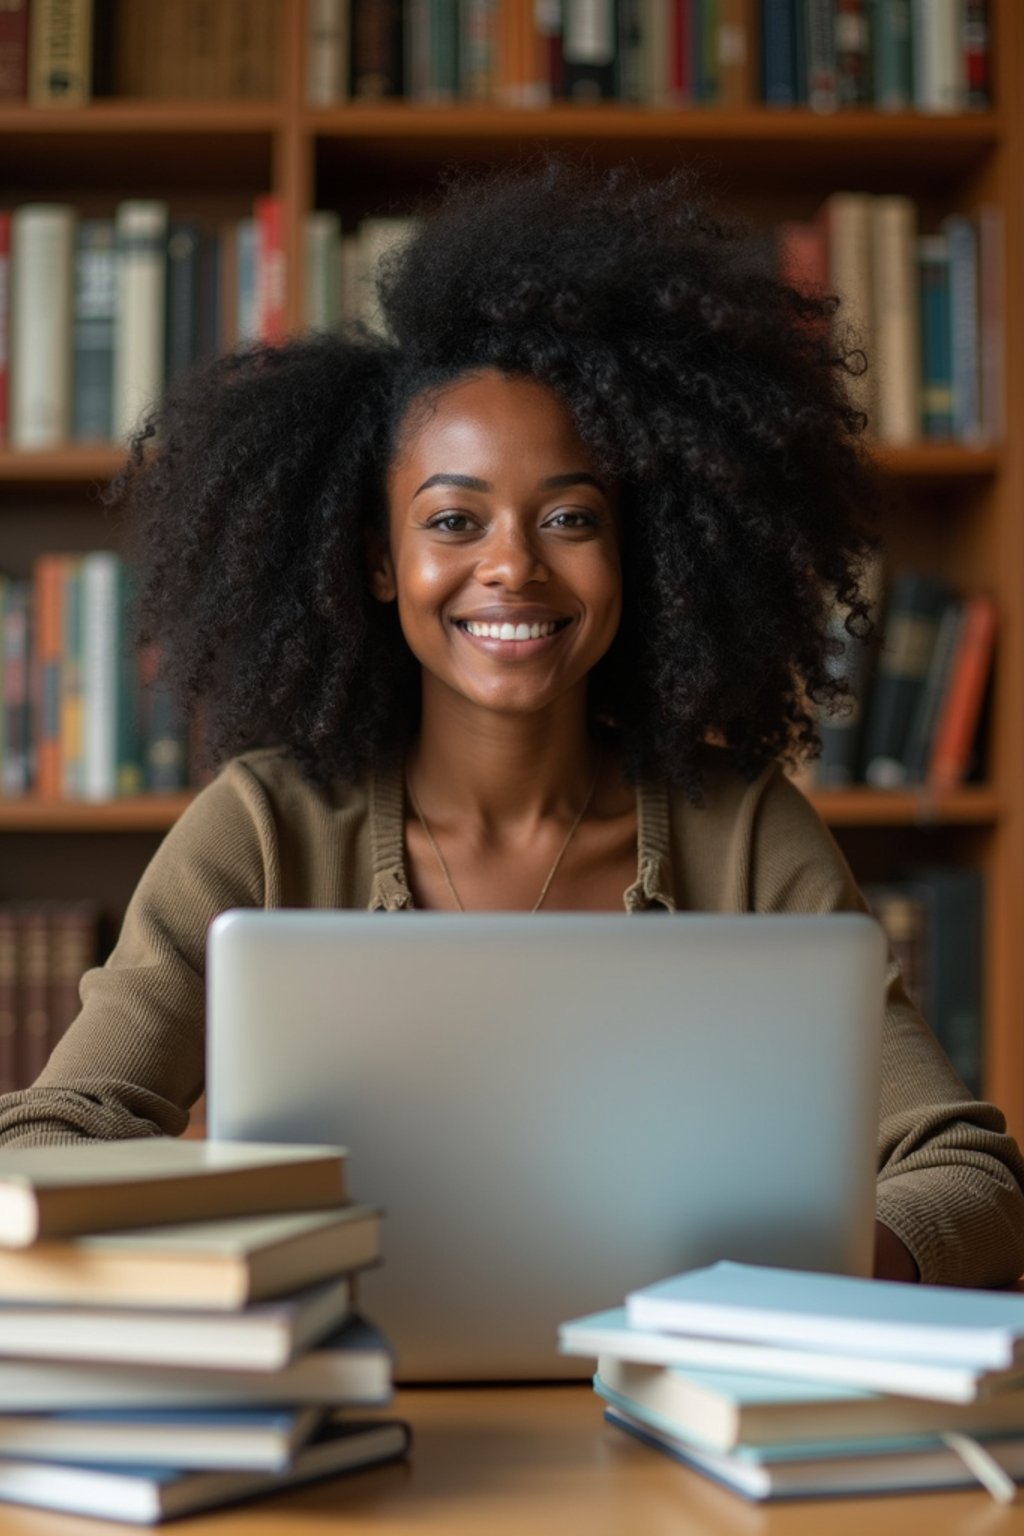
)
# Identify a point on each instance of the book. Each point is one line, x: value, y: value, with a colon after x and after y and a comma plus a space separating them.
x: 958, y: 716
x: 327, y: 48
x: 60, y: 53
x: 42, y: 260
x: 721, y: 1410
x: 262, y: 1337
x: 148, y: 1496
x: 227, y: 1263
x: 896, y: 1467
x: 17, y: 687
x: 351, y: 1367
x: 936, y: 337
x: 47, y: 624
x: 846, y: 217
x: 915, y: 605
x: 965, y: 341
x: 61, y: 1190
x: 270, y: 268
x: 952, y: 903
x: 139, y: 353
x: 924, y: 719
x: 13, y: 50
x: 880, y: 1318
x: 94, y: 322
x: 897, y: 359
x: 258, y: 1439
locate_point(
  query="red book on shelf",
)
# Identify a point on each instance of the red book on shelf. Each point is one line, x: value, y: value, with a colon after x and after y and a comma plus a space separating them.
x: 270, y: 279
x: 802, y: 255
x: 49, y: 620
x: 957, y: 724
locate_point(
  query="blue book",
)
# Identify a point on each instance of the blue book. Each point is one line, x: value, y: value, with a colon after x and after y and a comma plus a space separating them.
x: 149, y: 1495
x: 814, y: 1312
x: 965, y: 341
x: 94, y: 325
x: 936, y: 337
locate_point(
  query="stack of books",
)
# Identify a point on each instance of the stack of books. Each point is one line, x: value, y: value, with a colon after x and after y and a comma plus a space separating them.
x: 178, y: 1326
x: 781, y: 1384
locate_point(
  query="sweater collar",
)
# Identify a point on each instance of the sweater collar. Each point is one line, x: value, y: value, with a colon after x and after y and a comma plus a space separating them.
x: 389, y: 892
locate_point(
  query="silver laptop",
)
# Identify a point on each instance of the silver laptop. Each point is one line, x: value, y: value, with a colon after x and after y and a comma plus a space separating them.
x: 556, y: 1110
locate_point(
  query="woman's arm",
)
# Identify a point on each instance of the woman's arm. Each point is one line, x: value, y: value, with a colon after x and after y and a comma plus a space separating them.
x: 950, y: 1180
x: 132, y: 1062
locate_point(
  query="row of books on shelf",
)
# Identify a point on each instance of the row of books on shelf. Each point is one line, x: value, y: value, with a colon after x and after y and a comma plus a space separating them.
x: 84, y: 715
x: 62, y: 53
x: 895, y: 55
x: 778, y: 1384
x: 917, y: 708
x: 178, y: 1326
x: 102, y: 313
x: 45, y: 949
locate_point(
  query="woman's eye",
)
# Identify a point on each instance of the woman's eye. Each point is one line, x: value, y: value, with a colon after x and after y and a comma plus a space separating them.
x: 451, y: 522
x: 571, y: 520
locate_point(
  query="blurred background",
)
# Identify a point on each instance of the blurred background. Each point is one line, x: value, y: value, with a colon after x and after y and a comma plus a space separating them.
x: 180, y: 177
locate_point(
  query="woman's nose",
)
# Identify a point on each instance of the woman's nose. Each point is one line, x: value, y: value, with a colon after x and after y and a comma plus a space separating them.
x: 511, y: 559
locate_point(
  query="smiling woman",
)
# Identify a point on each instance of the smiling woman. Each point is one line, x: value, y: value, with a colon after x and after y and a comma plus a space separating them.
x: 519, y: 607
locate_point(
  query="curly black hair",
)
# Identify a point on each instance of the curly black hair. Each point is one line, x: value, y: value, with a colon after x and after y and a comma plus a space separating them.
x: 716, y: 395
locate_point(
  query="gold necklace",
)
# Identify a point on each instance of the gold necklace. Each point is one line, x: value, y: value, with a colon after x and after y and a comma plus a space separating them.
x: 560, y: 855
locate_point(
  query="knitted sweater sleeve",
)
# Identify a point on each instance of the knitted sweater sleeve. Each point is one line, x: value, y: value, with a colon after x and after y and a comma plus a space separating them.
x: 950, y: 1180
x: 132, y: 1062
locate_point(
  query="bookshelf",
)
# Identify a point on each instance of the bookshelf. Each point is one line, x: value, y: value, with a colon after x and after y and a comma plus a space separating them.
x: 958, y: 511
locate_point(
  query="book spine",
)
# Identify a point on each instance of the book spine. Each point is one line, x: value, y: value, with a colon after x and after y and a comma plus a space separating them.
x: 853, y: 53
x: 48, y: 623
x: 444, y: 50
x: 95, y: 319
x: 630, y: 51
x: 924, y: 721
x: 801, y: 255
x: 8, y: 999
x: 326, y: 74
x: 705, y: 52
x: 72, y: 636
x: 896, y: 330
x: 938, y: 57
x: 5, y: 323
x: 72, y: 950
x: 963, y: 302
x: 42, y: 262
x: 822, y: 72
x: 34, y: 991
x: 270, y: 269
x: 248, y: 261
x: 376, y: 64
x: 181, y: 341
x: 847, y: 217
x: 322, y: 285
x: 101, y: 620
x: 680, y: 55
x: 974, y: 41
x: 936, y: 337
x: 139, y: 354
x: 957, y: 724
x: 991, y: 324
x: 911, y: 624
x: 588, y: 50
x: 13, y: 50
x: 60, y: 53
x: 841, y: 730
x: 478, y: 22
x: 737, y: 63
x: 892, y: 71
x: 954, y: 901
x: 131, y: 777
x: 17, y: 759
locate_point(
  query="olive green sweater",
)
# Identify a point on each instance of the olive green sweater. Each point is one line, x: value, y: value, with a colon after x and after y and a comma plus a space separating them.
x: 950, y: 1180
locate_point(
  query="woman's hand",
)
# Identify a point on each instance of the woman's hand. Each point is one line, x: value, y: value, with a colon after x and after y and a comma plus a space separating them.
x: 892, y: 1260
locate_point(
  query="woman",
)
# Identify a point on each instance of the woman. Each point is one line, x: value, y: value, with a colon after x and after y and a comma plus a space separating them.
x: 519, y: 609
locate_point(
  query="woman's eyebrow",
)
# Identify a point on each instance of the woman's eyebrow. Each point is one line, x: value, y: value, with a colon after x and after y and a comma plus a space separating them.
x: 471, y: 483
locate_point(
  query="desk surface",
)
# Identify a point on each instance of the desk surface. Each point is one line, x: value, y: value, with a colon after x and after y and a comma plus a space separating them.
x: 540, y: 1462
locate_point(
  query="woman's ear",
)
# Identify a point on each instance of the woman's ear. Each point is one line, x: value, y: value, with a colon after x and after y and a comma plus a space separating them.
x: 381, y: 568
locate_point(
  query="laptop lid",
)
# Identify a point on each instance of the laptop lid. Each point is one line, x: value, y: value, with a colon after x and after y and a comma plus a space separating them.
x: 556, y: 1110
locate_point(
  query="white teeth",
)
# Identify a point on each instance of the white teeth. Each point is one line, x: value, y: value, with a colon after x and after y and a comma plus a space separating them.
x: 508, y: 631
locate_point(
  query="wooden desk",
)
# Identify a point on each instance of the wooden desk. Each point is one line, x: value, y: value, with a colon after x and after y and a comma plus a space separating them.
x: 540, y: 1462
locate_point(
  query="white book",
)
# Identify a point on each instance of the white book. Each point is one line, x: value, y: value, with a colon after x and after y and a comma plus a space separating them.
x: 327, y: 53
x: 351, y: 1367
x: 609, y: 1334
x: 101, y: 615
x: 938, y: 61
x: 42, y: 278
x: 813, y: 1312
x: 897, y: 360
x: 139, y: 333
x: 147, y: 1495
x: 247, y: 317
x: 322, y: 286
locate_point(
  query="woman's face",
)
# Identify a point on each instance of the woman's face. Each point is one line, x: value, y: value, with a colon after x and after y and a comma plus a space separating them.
x: 504, y: 544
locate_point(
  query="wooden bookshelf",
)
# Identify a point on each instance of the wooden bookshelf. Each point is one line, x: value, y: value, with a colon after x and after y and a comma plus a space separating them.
x: 964, y: 506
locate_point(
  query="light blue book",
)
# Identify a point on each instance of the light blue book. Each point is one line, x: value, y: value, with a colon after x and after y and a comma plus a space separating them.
x: 610, y: 1334
x: 762, y: 1305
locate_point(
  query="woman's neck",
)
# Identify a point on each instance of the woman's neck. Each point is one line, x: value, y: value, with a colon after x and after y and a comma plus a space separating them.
x: 502, y: 770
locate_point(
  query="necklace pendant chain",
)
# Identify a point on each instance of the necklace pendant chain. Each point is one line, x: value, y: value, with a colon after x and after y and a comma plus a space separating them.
x: 552, y: 872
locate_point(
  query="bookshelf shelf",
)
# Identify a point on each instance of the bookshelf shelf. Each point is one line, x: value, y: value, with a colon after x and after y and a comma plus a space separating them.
x: 137, y: 813
x: 862, y: 807
x: 74, y: 465
x: 150, y: 117
x: 927, y: 462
